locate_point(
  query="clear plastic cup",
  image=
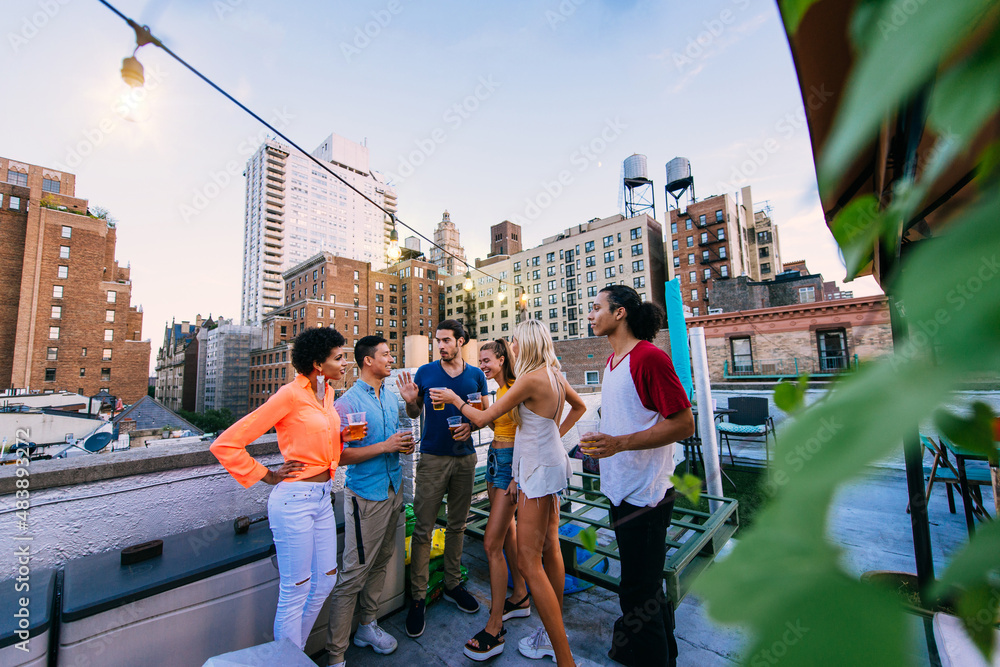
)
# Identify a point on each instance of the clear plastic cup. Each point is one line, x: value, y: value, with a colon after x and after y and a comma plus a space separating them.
x: 453, y: 424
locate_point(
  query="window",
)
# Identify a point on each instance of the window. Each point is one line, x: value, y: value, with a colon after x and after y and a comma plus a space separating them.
x: 701, y: 220
x: 832, y: 349
x: 609, y: 272
x: 105, y: 375
x: 592, y: 377
x: 83, y: 351
x: 550, y: 257
x: 635, y: 234
x: 724, y: 270
x: 535, y: 275
x: 14, y: 203
x: 551, y: 285
x: 639, y: 282
x: 722, y: 233
x: 690, y: 242
x: 718, y: 215
x: 765, y: 267
x: 83, y: 372
x: 690, y: 259
x: 763, y: 237
x: 106, y: 354
x: 517, y: 266
x: 637, y: 249
x: 109, y: 316
x: 64, y: 252
x: 673, y: 227
x: 692, y: 276
x: 675, y: 244
x: 112, y: 297
x: 53, y: 333
x: 67, y: 231
x: 52, y: 354
x: 639, y: 265
x: 687, y: 223
x: 704, y: 255
x: 592, y: 290
x: 62, y: 271
x: 109, y: 335
x: 534, y: 260
x: 677, y: 262
x: 764, y: 251
x: 50, y: 375
x: 553, y: 313
x: 554, y: 327
x: 707, y: 274
x: 57, y: 312
x: 355, y: 329
x: 356, y: 275
x: 807, y: 295
x: 551, y: 271
x: 694, y: 295
x: 609, y: 241
x: 609, y: 257
x: 742, y: 356
x: 552, y: 298
x: 588, y: 246
x: 591, y: 261
x: 17, y: 178
x: 722, y: 252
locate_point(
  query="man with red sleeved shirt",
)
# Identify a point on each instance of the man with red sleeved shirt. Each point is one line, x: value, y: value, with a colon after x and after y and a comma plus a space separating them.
x: 644, y: 412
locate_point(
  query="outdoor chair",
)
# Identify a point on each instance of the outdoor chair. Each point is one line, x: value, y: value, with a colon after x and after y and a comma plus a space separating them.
x: 751, y: 420
x: 943, y: 470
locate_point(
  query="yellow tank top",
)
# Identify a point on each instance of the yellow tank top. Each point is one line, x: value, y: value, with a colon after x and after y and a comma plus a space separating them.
x: 504, y: 427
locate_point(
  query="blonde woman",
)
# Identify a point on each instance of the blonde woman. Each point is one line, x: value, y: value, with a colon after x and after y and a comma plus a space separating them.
x: 541, y: 470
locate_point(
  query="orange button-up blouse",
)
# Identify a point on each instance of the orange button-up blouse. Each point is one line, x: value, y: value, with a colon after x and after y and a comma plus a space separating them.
x: 306, y: 433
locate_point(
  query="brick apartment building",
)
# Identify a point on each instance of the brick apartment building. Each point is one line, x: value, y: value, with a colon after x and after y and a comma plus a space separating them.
x: 66, y: 319
x: 331, y: 291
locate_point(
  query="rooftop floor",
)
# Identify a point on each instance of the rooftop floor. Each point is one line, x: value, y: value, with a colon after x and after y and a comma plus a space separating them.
x: 868, y: 520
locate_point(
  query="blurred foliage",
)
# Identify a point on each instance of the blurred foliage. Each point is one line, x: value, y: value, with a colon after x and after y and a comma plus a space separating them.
x: 209, y: 421
x: 785, y: 572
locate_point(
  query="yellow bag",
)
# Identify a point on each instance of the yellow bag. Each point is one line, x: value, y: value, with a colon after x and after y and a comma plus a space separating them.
x: 437, y: 545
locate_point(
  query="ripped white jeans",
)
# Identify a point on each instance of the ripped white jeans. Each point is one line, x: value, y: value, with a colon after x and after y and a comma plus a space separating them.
x: 305, y: 539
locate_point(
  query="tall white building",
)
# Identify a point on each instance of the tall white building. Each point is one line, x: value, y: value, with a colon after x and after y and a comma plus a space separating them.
x: 447, y: 237
x: 295, y: 209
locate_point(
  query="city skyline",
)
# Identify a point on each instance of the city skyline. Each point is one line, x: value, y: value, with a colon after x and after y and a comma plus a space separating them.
x: 524, y: 113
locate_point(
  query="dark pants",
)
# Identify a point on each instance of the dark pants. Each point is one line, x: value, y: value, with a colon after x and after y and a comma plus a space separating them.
x: 644, y: 634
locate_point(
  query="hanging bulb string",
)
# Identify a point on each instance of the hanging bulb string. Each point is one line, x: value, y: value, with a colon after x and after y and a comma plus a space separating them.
x: 144, y: 36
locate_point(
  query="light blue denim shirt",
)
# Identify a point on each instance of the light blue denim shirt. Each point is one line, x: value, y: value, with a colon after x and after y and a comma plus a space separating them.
x: 371, y: 479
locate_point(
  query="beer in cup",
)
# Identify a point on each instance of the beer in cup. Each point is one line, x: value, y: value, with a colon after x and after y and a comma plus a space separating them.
x: 438, y: 406
x: 407, y: 433
x: 356, y: 422
x: 475, y: 399
x: 453, y: 424
x: 587, y: 426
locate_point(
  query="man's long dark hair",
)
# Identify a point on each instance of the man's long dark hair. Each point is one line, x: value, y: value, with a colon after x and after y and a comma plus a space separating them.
x: 643, y: 318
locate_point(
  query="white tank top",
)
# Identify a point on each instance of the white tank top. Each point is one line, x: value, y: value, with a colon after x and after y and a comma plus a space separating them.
x: 541, y: 465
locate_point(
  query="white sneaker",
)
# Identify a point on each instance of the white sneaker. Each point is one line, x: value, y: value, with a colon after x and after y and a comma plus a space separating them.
x: 537, y: 645
x: 374, y: 636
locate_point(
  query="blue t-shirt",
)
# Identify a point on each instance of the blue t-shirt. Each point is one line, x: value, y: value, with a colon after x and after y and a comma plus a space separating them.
x: 437, y: 438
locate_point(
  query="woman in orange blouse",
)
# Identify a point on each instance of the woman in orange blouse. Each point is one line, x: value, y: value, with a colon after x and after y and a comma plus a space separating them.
x: 299, y: 509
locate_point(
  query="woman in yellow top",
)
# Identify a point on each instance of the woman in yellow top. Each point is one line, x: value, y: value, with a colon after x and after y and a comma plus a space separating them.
x: 299, y: 510
x: 497, y: 363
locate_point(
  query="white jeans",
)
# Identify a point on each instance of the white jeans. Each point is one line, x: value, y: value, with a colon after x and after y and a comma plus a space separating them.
x: 305, y: 539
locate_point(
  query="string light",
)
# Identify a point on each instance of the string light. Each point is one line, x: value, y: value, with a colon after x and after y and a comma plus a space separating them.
x: 468, y: 285
x: 394, y: 252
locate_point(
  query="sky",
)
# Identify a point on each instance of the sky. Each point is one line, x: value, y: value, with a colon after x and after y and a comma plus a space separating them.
x: 492, y: 111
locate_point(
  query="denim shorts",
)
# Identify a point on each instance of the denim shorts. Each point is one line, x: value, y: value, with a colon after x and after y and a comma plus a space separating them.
x: 498, y: 466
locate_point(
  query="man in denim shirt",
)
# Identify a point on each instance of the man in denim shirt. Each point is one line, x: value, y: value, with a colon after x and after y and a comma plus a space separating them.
x: 372, y: 502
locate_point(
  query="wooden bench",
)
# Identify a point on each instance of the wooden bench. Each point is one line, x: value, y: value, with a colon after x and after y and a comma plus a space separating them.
x: 693, y: 540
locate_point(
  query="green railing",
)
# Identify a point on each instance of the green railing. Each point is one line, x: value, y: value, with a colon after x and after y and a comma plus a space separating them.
x: 788, y: 368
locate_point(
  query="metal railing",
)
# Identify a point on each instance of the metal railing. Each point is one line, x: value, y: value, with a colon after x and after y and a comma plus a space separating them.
x: 787, y: 368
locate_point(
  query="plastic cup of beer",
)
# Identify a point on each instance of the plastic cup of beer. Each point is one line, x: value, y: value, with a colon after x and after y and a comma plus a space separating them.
x: 453, y: 424
x: 475, y: 399
x: 406, y: 432
x: 438, y: 406
x: 356, y: 422
x: 587, y: 426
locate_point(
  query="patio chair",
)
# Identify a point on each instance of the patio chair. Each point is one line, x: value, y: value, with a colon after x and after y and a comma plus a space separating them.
x: 943, y: 470
x: 751, y: 420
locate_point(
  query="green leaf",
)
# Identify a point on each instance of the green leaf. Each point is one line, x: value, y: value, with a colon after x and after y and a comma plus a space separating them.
x: 791, y: 396
x: 974, y: 433
x: 588, y: 538
x: 688, y: 486
x: 792, y: 12
x: 967, y: 95
x: 977, y: 607
x: 972, y: 565
x: 855, y: 228
x: 898, y: 57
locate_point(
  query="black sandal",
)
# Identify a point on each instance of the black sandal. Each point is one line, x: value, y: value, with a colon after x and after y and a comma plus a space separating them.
x: 489, y: 645
x: 515, y: 609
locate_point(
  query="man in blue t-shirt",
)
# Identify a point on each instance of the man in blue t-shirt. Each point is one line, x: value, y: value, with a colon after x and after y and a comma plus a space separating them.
x: 447, y: 464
